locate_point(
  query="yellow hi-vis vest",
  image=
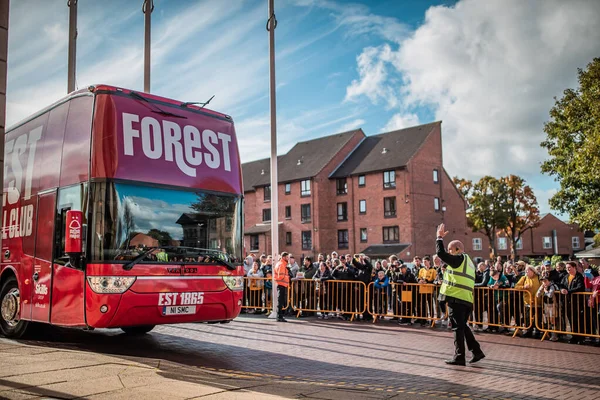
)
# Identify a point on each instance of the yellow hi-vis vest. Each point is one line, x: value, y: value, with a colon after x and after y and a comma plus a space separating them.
x: 459, y: 282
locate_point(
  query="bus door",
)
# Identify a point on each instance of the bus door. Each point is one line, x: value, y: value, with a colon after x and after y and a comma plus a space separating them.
x: 68, y: 275
x: 42, y: 262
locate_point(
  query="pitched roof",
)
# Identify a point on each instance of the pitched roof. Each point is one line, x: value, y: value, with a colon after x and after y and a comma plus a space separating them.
x: 305, y: 160
x: 399, y: 147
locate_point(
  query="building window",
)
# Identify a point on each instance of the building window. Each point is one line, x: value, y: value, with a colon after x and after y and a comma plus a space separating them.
x: 391, y: 234
x: 214, y: 244
x: 547, y: 242
x: 266, y: 214
x: 343, y: 239
x: 362, y: 206
x: 288, y: 212
x: 436, y: 203
x: 306, y: 240
x: 389, y: 179
x: 288, y: 238
x: 575, y: 242
x: 342, y: 211
x: 519, y: 245
x: 305, y: 212
x: 228, y: 224
x: 342, y: 186
x: 212, y: 225
x: 267, y: 193
x: 502, y: 243
x: 288, y: 188
x: 253, y: 242
x: 305, y: 188
x: 361, y: 181
x: 389, y: 207
x: 435, y: 176
x: 363, y: 235
x: 476, y: 244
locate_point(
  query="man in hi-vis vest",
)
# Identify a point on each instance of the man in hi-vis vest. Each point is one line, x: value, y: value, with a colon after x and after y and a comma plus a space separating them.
x: 457, y: 292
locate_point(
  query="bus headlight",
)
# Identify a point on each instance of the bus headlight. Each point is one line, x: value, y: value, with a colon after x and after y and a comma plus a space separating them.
x: 110, y: 284
x: 234, y: 282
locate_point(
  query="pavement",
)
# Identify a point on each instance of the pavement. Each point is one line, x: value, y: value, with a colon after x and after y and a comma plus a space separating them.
x: 258, y: 358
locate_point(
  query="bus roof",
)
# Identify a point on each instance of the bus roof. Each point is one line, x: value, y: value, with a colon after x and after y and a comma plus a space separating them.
x: 103, y: 88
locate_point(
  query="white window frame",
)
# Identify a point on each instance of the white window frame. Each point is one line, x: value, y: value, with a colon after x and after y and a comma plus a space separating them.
x: 549, y: 242
x: 502, y: 243
x: 519, y: 245
x: 362, y: 206
x: 436, y: 203
x: 575, y: 239
x: 477, y: 244
x: 436, y: 176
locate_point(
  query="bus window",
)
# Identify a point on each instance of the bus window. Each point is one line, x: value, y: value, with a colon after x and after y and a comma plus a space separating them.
x: 69, y: 198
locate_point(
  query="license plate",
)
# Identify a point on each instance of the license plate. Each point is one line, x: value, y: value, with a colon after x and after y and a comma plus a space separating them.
x: 178, y: 310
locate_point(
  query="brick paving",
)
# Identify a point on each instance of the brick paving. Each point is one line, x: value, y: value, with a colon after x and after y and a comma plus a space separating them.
x: 362, y: 360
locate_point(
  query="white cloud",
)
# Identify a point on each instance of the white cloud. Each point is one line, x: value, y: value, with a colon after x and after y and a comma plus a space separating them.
x: 489, y: 70
x: 401, y: 121
x: 357, y: 123
x: 373, y: 64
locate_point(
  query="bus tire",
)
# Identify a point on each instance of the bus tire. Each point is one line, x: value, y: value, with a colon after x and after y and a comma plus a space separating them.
x: 11, y: 324
x: 137, y: 330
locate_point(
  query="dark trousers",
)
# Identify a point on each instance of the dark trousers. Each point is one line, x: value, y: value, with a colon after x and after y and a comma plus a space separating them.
x: 282, y: 293
x: 459, y: 314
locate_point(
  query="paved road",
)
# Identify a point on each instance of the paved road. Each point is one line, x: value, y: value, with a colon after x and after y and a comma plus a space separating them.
x: 358, y: 360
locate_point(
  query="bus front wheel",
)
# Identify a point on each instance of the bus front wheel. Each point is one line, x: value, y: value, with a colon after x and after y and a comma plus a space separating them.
x: 137, y: 330
x: 11, y: 324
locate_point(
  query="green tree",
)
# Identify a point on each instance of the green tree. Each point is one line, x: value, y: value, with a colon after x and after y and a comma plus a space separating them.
x: 487, y: 206
x: 573, y: 143
x: 164, y: 238
x: 522, y: 210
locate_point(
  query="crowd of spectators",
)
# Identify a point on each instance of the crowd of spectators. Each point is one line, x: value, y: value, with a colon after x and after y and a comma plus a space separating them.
x: 564, y: 297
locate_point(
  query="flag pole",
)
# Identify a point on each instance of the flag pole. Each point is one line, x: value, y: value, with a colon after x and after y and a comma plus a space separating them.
x: 147, y: 9
x: 271, y: 25
x: 72, y: 57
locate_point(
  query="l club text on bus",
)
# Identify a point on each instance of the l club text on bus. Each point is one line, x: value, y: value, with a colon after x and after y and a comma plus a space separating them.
x: 121, y: 210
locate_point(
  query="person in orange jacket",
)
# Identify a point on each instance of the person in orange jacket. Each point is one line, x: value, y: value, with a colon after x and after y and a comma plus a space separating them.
x: 282, y: 279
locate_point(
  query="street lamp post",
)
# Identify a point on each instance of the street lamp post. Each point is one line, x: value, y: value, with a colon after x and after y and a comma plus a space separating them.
x: 72, y: 57
x: 147, y: 9
x: 271, y: 25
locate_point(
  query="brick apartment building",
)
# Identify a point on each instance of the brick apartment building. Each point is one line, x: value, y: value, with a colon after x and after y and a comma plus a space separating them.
x: 381, y: 195
x: 551, y: 237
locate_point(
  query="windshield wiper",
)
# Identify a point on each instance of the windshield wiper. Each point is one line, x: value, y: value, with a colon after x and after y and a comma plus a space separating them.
x: 216, y: 256
x: 130, y: 264
x: 189, y: 103
x: 156, y: 109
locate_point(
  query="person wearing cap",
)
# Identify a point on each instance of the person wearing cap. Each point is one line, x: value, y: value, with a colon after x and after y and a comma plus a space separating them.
x: 545, y: 294
x: 457, y: 290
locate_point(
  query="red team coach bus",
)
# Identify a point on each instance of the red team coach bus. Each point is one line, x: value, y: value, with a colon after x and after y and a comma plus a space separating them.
x: 121, y: 210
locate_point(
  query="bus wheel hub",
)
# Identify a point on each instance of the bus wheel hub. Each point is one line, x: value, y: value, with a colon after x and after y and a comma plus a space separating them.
x: 10, y: 307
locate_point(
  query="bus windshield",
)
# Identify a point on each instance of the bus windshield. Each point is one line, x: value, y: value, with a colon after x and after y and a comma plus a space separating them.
x: 170, y: 226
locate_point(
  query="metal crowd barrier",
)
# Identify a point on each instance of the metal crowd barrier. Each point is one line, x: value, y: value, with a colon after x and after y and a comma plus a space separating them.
x: 257, y: 294
x: 406, y: 301
x: 568, y: 314
x: 346, y: 298
x: 502, y: 308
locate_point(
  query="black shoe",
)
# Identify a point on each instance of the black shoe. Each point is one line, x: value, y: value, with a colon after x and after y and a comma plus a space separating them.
x: 574, y: 341
x: 281, y: 320
x: 455, y: 362
x: 477, y: 357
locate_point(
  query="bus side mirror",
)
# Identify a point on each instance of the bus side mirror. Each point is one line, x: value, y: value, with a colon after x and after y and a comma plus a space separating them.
x: 74, y: 232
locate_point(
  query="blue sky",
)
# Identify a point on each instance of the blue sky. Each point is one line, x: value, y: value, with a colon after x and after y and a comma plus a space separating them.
x: 487, y: 69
